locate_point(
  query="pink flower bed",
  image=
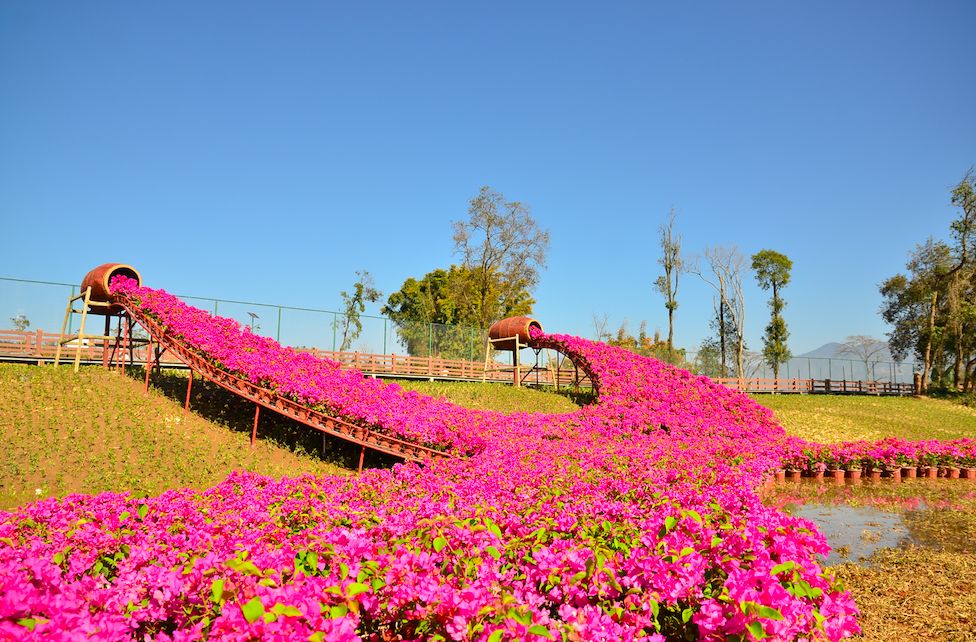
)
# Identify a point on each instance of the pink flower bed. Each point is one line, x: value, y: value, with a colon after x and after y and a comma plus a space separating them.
x: 633, y: 518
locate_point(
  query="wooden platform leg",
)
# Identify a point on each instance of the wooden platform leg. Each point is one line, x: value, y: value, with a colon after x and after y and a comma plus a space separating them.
x: 189, y: 386
x: 148, y: 362
x: 254, y: 431
x: 64, y: 326
x: 81, y: 330
x: 362, y: 455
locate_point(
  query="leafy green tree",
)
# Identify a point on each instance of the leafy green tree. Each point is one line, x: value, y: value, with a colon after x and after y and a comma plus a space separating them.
x: 431, y: 321
x: 708, y: 359
x: 773, y: 273
x: 21, y: 322
x: 911, y: 305
x: 364, y: 291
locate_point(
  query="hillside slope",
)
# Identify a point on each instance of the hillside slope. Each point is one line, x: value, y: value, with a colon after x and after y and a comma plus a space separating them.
x: 95, y: 431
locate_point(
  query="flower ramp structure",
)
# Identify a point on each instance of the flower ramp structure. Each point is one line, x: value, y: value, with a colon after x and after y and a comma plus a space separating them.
x: 634, y: 518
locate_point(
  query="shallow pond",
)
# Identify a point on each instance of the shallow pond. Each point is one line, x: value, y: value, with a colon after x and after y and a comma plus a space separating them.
x: 859, y: 520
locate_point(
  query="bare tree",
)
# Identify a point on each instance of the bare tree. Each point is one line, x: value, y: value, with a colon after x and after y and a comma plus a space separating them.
x: 600, y: 326
x: 502, y: 250
x: 867, y: 349
x: 667, y: 283
x: 725, y: 266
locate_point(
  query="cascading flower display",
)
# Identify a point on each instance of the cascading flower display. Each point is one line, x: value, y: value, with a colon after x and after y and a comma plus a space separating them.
x: 633, y: 518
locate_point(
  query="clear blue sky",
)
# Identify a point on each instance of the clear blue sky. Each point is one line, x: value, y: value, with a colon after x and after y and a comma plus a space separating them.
x: 267, y: 151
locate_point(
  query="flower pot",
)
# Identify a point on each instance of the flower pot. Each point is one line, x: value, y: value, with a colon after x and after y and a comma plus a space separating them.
x: 932, y: 472
x: 909, y: 472
x: 793, y: 475
x: 854, y: 474
x: 780, y: 476
x: 875, y: 474
x: 818, y: 475
x: 953, y: 472
x: 837, y: 475
x: 968, y: 473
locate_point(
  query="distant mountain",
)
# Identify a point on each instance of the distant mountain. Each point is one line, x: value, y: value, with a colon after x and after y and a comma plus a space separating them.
x: 832, y: 350
x: 826, y: 351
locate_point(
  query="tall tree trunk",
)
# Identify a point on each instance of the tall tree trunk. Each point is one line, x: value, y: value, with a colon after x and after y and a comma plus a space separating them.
x: 721, y: 324
x: 927, y: 361
x: 671, y: 334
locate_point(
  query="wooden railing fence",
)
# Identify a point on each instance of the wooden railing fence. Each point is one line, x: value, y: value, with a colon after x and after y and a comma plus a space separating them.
x: 39, y: 346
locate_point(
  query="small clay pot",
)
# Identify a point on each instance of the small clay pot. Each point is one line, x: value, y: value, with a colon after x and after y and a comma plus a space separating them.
x: 837, y: 475
x: 932, y: 472
x: 953, y: 472
x: 793, y: 475
x: 909, y: 472
x: 875, y: 474
x: 780, y: 476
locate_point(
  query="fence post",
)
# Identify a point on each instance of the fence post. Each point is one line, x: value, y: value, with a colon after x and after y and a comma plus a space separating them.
x: 384, y: 335
x: 278, y: 328
x: 335, y: 323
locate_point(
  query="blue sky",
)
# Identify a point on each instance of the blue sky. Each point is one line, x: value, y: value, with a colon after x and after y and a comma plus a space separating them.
x: 267, y: 151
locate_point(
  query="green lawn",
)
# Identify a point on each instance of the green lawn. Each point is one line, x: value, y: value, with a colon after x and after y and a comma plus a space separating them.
x: 492, y: 396
x: 831, y: 418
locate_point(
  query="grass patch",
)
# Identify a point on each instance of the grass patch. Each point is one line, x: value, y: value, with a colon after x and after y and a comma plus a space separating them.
x: 95, y: 431
x: 495, y: 396
x: 833, y: 418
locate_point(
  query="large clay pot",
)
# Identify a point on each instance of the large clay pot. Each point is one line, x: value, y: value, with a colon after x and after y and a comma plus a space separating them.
x: 98, y: 279
x: 510, y: 328
x: 909, y: 472
x: 793, y: 475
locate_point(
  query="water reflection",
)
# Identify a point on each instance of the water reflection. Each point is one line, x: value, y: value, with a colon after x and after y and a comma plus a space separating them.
x: 858, y: 521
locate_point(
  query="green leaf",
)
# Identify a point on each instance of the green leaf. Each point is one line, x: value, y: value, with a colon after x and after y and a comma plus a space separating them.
x: 686, y: 615
x: 496, y: 635
x: 285, y: 609
x: 338, y: 611
x: 670, y: 522
x: 143, y: 511
x: 27, y: 623
x: 318, y: 636
x: 538, y: 629
x: 756, y: 628
x: 217, y: 590
x: 355, y: 589
x: 491, y: 550
x: 493, y: 527
x: 694, y: 515
x: 785, y: 566
x: 769, y: 613
x: 58, y: 558
x: 440, y: 543
x: 253, y: 609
